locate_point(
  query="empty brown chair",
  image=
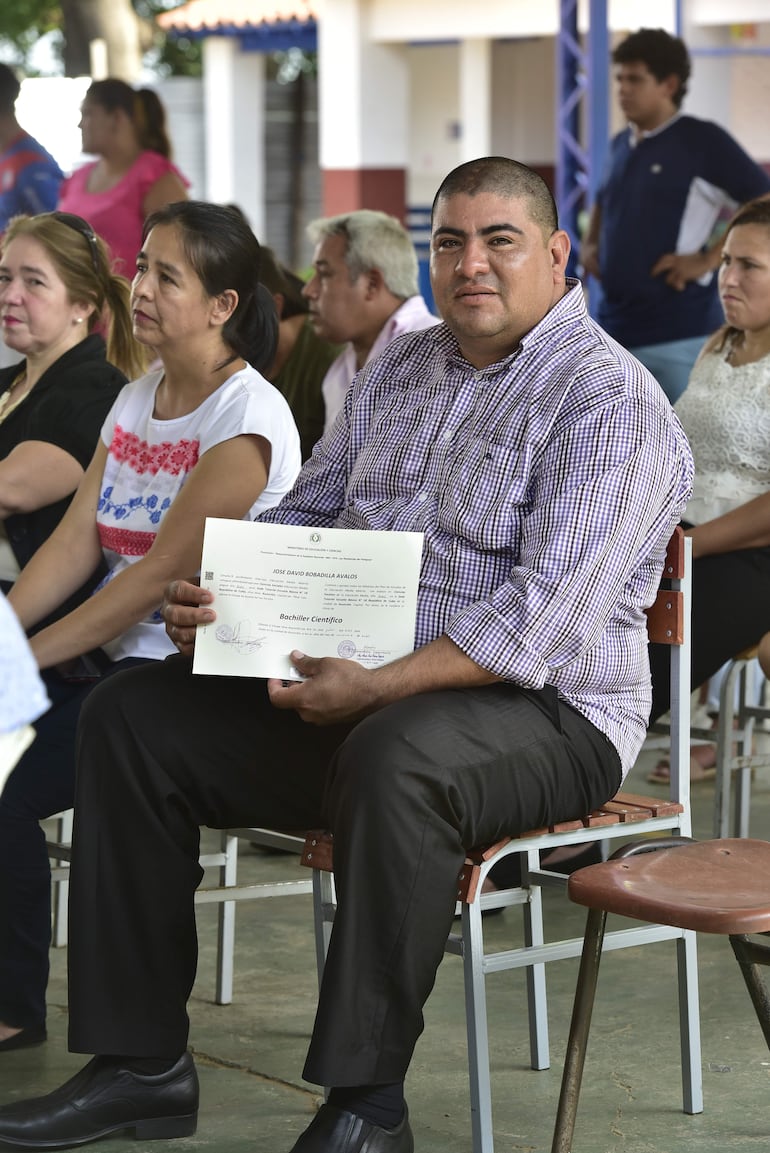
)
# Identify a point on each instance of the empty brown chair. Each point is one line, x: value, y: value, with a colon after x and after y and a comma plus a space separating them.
x: 718, y: 886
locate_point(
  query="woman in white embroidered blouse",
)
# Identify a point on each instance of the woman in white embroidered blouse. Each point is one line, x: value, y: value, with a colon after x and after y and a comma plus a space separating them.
x: 726, y: 415
x: 202, y: 435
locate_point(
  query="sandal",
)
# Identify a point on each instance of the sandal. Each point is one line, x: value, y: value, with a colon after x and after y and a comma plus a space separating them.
x: 702, y: 768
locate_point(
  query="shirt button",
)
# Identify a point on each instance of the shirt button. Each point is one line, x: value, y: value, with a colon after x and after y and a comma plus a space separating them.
x: 422, y: 497
x: 446, y: 435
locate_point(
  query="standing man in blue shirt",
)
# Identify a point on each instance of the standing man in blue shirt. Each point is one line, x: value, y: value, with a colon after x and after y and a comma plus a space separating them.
x: 29, y: 176
x: 649, y: 241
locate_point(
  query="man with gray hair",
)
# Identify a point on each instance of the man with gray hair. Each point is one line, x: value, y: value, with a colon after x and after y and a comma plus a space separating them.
x: 363, y: 292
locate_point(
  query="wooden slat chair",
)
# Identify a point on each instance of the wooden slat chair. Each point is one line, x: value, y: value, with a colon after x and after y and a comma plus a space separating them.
x: 625, y: 815
x: 225, y: 893
x: 717, y: 886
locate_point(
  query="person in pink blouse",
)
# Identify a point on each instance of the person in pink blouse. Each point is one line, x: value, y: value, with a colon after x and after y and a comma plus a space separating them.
x: 133, y: 175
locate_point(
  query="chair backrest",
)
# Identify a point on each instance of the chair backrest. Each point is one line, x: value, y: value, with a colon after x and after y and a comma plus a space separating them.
x: 668, y: 623
x: 666, y: 614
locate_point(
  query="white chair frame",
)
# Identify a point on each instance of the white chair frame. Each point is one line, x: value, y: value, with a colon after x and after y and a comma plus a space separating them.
x: 225, y: 893
x: 736, y: 727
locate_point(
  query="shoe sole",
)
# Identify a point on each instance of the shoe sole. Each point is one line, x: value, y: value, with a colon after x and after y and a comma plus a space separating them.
x: 152, y: 1129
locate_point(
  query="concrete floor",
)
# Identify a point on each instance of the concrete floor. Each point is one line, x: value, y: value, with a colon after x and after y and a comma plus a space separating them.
x: 250, y: 1053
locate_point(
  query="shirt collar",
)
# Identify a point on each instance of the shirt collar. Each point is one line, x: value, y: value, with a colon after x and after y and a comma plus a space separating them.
x: 570, y: 308
x: 635, y: 135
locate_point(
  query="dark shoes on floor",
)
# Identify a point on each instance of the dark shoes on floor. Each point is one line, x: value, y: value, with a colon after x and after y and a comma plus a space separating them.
x: 335, y: 1130
x: 105, y: 1098
x: 33, y: 1035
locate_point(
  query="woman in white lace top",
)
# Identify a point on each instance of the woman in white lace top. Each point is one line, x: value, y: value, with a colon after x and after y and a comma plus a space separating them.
x: 726, y: 415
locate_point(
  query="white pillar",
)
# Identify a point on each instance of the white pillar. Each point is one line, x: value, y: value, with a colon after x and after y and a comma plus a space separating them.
x: 234, y: 103
x: 363, y: 112
x: 475, y: 63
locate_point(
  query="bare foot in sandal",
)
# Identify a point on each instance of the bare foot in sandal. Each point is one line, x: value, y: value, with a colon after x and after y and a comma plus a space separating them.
x: 703, y: 759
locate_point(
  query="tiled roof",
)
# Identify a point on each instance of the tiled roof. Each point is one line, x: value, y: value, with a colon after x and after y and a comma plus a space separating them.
x: 198, y: 15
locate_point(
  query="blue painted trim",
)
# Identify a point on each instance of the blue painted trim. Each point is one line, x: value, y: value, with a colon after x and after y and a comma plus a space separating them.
x: 276, y: 37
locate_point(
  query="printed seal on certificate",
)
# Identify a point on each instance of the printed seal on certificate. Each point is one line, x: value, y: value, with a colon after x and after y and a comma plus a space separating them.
x: 346, y: 649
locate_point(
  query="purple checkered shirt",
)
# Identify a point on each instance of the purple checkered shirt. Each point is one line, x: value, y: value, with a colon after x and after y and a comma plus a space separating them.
x: 547, y: 486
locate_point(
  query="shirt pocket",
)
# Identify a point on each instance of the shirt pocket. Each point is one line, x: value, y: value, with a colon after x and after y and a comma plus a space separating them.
x: 484, y: 493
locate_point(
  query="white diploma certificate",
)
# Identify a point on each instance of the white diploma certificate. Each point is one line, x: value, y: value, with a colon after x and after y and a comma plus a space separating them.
x: 326, y: 592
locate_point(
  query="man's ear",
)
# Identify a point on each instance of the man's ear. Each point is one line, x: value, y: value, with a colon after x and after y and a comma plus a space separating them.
x: 559, y: 247
x: 374, y: 283
x: 224, y: 306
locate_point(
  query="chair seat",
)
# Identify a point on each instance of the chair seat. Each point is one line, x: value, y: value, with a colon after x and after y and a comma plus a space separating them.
x: 717, y: 886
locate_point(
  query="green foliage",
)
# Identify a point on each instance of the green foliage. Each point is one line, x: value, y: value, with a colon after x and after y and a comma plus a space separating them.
x: 172, y: 55
x: 22, y: 23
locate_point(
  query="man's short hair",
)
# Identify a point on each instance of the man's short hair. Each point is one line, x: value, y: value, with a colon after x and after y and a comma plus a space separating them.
x: 504, y: 177
x: 664, y: 55
x: 9, y: 90
x: 373, y: 240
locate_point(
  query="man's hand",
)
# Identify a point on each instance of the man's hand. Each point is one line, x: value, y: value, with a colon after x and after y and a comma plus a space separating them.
x: 335, y: 690
x: 184, y: 607
x: 682, y: 267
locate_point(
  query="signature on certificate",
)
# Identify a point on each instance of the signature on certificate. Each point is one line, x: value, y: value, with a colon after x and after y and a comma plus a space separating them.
x: 239, y: 637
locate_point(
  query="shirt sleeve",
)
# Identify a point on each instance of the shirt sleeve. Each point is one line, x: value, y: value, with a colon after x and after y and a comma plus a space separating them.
x: 71, y: 418
x: 603, y: 490
x: 732, y: 169
x: 38, y: 187
x: 319, y: 493
x: 151, y: 167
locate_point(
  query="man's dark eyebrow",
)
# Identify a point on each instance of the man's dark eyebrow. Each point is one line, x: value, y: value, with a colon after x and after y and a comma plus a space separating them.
x: 487, y: 231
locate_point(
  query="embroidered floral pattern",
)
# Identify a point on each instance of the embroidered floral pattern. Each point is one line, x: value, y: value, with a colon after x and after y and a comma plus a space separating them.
x: 125, y: 542
x: 172, y: 457
x: 152, y: 505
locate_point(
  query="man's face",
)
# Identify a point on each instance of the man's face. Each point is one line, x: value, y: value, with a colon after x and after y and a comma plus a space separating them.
x: 337, y: 304
x: 494, y: 275
x: 644, y: 100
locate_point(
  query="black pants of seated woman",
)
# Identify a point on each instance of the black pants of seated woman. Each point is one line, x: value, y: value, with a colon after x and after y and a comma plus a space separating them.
x: 43, y: 783
x: 730, y: 612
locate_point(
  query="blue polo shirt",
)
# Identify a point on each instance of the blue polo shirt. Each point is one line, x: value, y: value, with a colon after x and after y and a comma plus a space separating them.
x: 665, y: 194
x: 29, y: 179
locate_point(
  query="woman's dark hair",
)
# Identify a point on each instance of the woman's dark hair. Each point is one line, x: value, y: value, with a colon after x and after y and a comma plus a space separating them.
x: 142, y: 106
x: 225, y: 255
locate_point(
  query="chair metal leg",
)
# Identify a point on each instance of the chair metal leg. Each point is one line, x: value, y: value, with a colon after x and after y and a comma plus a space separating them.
x: 575, y: 1056
x: 689, y: 1023
x: 323, y: 916
x: 228, y: 875
x: 324, y: 902
x: 61, y: 887
x: 750, y: 955
x: 725, y: 736
x: 537, y: 1000
x: 476, y: 1026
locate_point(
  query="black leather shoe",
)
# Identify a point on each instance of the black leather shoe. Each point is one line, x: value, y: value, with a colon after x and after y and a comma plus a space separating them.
x: 33, y: 1035
x: 105, y: 1098
x: 335, y: 1130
